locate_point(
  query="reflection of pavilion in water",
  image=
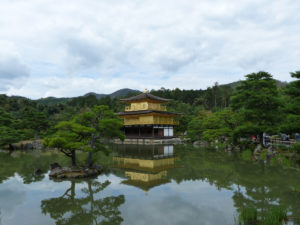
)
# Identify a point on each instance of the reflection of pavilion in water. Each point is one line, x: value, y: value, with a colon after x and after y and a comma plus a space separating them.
x: 145, y: 166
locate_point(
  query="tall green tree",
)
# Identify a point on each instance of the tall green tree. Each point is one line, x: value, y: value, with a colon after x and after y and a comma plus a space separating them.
x: 105, y: 125
x: 69, y: 137
x: 257, y: 99
x: 85, y: 132
x: 292, y: 106
x: 195, y: 127
x: 221, y: 125
x: 8, y: 129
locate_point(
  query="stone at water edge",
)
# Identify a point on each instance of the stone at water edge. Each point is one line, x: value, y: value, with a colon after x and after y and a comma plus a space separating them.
x: 54, y: 165
x: 73, y: 172
x: 258, y: 149
x: 201, y: 144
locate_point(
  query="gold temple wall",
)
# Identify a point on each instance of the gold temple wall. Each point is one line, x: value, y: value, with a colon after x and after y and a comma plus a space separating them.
x: 152, y: 119
x: 136, y: 106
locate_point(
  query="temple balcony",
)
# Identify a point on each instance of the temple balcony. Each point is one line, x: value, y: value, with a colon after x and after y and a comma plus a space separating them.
x: 145, y: 107
x: 138, y: 122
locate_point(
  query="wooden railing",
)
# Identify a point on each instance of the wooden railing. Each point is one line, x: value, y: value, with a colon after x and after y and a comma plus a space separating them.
x: 279, y: 141
x: 158, y: 108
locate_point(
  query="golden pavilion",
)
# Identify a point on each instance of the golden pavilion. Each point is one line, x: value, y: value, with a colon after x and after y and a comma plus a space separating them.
x: 146, y: 117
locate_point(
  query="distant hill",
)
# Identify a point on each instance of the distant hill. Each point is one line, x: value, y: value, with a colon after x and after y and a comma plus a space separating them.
x: 117, y: 94
x: 52, y: 100
x: 120, y: 93
x: 98, y: 96
x: 233, y: 85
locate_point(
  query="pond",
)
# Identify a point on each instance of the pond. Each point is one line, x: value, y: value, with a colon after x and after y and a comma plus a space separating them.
x: 145, y: 185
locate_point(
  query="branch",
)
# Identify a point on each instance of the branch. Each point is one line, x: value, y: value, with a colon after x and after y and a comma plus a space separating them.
x: 66, y: 153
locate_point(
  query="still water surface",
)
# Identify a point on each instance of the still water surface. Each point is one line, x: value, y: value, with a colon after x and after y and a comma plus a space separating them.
x: 145, y: 185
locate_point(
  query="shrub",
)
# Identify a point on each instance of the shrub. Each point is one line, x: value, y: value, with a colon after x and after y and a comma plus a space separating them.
x: 247, y: 154
x: 295, y: 148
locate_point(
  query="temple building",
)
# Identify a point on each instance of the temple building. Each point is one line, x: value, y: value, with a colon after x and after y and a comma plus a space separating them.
x: 145, y: 167
x: 146, y: 117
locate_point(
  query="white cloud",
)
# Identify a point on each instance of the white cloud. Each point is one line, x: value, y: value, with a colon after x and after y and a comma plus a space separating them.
x: 13, y: 71
x: 105, y: 45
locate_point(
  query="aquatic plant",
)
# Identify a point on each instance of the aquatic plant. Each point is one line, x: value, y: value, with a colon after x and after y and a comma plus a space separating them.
x: 248, y: 216
x: 277, y: 215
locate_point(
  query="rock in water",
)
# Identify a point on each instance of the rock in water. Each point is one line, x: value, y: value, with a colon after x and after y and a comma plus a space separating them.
x: 54, y: 165
x: 74, y: 172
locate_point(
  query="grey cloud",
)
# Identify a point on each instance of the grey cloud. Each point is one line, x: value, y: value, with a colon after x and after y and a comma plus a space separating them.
x: 13, y: 73
x: 83, y: 53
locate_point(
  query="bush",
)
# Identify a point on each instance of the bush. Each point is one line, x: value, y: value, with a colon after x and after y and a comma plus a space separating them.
x: 263, y: 155
x: 295, y: 148
x: 247, y: 154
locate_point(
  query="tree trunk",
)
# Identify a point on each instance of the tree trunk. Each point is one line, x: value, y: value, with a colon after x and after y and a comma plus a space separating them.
x: 11, y: 147
x: 89, y: 160
x: 261, y: 139
x: 73, y: 158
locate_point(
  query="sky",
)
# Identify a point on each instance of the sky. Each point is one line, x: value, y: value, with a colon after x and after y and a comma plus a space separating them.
x: 67, y: 48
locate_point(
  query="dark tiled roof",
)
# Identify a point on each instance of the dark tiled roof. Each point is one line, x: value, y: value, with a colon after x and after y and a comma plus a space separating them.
x: 145, y: 96
x: 146, y: 112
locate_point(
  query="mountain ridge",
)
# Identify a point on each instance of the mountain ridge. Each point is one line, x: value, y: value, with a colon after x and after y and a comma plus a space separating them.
x: 119, y: 93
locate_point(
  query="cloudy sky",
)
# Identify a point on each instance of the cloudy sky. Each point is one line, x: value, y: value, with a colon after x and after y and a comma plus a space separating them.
x: 68, y: 48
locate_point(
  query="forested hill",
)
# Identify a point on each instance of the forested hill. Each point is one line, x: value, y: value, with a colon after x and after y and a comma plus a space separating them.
x: 233, y: 85
x: 120, y: 93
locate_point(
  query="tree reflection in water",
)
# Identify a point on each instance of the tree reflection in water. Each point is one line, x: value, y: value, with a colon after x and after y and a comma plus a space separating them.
x: 71, y: 209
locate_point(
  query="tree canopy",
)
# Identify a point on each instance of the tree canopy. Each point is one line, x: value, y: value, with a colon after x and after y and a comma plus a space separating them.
x: 257, y: 99
x: 85, y: 132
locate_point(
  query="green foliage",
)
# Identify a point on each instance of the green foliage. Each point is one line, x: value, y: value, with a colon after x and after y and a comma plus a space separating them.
x: 276, y: 215
x: 195, y: 127
x: 246, y: 154
x: 213, y: 126
x: 85, y: 132
x: 248, y: 216
x: 8, y: 136
x: 295, y: 148
x: 8, y: 129
x: 257, y: 99
x: 263, y: 155
x: 292, y: 106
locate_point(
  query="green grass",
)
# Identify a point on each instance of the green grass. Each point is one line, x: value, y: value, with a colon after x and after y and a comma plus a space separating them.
x: 276, y: 216
x: 248, y: 216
